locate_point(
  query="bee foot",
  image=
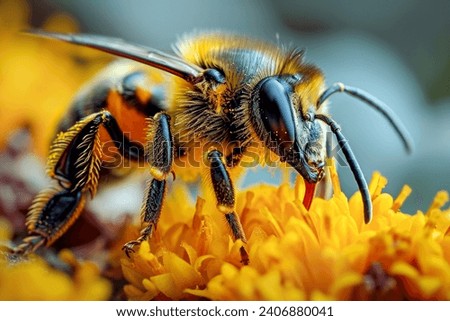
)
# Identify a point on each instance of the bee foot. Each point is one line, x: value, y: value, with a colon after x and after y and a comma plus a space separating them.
x: 128, y: 248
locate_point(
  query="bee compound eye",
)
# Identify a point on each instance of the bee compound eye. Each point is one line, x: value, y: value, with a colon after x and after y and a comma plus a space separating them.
x: 274, y: 109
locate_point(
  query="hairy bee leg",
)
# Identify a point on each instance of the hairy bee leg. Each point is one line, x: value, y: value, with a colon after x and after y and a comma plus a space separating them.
x: 52, y: 213
x: 159, y: 153
x: 224, y: 191
x: 154, y: 198
x: 74, y: 163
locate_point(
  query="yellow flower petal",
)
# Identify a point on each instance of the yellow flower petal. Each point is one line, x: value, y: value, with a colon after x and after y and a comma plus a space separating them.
x: 133, y: 293
x: 181, y: 275
x: 344, y: 285
x: 166, y: 284
x: 402, y: 196
x: 131, y: 274
x: 150, y: 287
x: 440, y: 200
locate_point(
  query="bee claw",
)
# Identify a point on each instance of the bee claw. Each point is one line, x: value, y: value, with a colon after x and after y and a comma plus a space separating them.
x: 30, y: 244
x: 128, y: 247
x: 244, y: 256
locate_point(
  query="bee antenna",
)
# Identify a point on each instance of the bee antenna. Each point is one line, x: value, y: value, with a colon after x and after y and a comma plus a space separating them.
x: 375, y: 103
x: 353, y: 163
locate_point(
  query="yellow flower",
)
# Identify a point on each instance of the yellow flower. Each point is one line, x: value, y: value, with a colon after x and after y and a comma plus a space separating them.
x: 326, y: 253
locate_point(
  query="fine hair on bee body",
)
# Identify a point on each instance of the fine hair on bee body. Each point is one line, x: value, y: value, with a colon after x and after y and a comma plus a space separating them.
x: 220, y: 99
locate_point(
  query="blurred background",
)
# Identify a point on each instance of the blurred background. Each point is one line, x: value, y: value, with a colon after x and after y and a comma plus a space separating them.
x: 399, y: 51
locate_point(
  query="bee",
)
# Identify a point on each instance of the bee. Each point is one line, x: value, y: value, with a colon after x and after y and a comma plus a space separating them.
x: 220, y: 91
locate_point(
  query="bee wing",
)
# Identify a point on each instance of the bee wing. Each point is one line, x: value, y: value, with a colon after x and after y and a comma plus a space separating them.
x: 149, y: 56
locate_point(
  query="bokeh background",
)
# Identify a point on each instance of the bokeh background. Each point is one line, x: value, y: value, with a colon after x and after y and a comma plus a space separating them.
x: 398, y: 51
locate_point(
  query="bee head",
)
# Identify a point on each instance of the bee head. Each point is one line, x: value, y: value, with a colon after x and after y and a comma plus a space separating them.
x: 279, y: 123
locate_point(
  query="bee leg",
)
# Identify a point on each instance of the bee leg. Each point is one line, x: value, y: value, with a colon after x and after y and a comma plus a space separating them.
x: 74, y: 163
x: 52, y: 212
x: 159, y: 154
x: 224, y: 191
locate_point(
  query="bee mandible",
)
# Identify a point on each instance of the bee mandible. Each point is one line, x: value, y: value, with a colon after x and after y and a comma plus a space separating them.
x: 226, y: 92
